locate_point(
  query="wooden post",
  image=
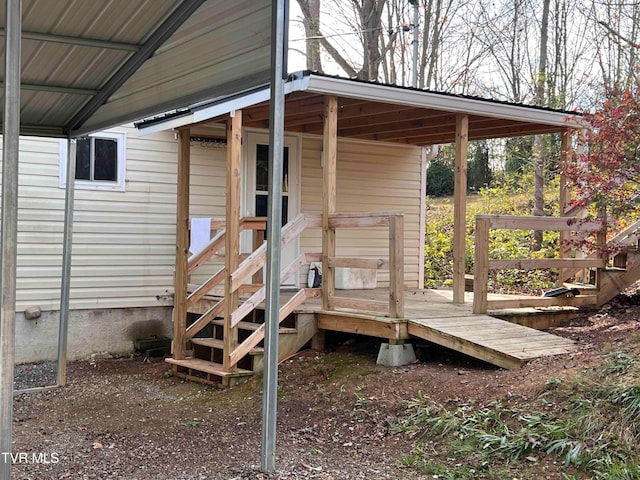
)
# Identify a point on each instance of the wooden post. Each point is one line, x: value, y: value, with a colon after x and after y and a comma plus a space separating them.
x: 460, y: 206
x: 601, y: 242
x: 565, y: 236
x: 232, y: 225
x: 481, y: 266
x: 182, y: 246
x: 330, y: 154
x: 396, y: 266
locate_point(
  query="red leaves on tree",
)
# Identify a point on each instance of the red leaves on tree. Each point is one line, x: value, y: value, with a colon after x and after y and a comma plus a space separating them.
x: 607, y: 172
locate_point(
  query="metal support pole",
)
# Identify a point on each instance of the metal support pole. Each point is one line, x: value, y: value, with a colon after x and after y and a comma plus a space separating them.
x: 65, y: 284
x: 274, y: 222
x: 416, y: 20
x: 9, y: 222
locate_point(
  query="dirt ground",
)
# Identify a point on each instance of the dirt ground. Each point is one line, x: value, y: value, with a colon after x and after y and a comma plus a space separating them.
x: 130, y: 419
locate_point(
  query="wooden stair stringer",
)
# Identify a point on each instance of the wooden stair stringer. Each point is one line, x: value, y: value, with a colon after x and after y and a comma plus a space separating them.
x: 613, y: 282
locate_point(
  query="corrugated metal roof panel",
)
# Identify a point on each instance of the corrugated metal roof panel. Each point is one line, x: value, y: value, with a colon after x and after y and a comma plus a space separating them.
x: 189, y: 49
x: 205, y: 55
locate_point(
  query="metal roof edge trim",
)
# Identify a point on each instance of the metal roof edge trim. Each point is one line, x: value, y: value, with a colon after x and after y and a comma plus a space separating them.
x: 416, y: 98
x: 214, y: 109
x: 194, y: 98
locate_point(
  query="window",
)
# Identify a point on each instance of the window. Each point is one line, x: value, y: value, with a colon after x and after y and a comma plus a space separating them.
x: 100, y: 161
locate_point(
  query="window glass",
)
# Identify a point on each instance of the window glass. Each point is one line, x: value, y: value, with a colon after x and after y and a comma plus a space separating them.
x: 262, y: 168
x: 83, y: 159
x: 105, y: 160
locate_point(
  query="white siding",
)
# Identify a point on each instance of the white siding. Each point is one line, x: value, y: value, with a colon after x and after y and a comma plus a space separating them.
x: 123, y: 242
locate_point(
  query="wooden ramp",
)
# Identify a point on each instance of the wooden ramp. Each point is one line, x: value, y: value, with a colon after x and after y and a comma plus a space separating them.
x: 430, y: 315
x: 495, y: 341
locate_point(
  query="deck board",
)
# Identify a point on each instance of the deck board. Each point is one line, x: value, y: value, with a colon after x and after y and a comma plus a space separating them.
x: 431, y: 315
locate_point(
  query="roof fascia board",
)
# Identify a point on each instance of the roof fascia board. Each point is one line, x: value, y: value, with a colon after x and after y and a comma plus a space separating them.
x: 157, y: 38
x: 413, y: 98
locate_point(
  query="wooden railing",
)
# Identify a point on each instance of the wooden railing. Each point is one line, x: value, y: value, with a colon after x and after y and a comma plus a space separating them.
x: 209, y: 252
x: 394, y: 221
x: 247, y: 268
x: 484, y: 223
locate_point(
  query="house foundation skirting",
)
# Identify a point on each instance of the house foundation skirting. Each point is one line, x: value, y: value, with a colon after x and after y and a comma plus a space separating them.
x: 111, y: 330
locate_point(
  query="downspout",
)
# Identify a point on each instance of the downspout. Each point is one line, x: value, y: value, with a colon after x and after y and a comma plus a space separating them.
x: 427, y: 156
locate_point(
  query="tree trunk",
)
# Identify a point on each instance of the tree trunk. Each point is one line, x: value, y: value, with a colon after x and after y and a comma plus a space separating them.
x: 538, y: 143
x: 311, y: 21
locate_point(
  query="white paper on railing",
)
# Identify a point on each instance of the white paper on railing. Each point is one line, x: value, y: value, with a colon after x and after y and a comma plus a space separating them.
x: 200, y: 234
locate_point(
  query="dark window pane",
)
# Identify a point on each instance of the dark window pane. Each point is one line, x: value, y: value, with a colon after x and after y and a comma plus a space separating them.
x: 106, y: 160
x: 285, y: 169
x: 83, y: 159
x: 285, y: 210
x: 261, y: 205
x: 262, y: 168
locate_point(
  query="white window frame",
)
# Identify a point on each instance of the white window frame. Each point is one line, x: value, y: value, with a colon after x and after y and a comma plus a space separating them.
x: 117, y: 186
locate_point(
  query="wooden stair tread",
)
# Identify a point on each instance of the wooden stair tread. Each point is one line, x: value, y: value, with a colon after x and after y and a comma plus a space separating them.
x: 253, y: 326
x: 208, y: 367
x: 217, y: 343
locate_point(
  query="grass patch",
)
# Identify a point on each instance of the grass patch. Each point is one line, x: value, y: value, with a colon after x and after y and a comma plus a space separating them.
x: 587, y: 424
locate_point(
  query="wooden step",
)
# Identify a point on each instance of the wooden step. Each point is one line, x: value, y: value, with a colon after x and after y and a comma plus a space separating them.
x: 254, y: 326
x: 208, y: 367
x: 217, y: 343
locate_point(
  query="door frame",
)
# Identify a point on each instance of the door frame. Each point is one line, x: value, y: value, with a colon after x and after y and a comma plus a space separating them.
x: 253, y: 136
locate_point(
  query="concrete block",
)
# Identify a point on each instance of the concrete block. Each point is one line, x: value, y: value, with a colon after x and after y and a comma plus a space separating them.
x: 396, y: 355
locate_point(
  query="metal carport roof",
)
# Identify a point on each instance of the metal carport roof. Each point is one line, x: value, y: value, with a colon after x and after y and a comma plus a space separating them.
x: 88, y: 65
x: 71, y: 67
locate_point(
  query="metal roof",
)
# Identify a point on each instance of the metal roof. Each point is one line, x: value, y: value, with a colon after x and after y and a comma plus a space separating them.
x: 373, y: 111
x: 88, y: 64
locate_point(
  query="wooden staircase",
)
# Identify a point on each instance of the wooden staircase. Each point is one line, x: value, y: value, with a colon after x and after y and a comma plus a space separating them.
x: 223, y: 341
x: 621, y: 272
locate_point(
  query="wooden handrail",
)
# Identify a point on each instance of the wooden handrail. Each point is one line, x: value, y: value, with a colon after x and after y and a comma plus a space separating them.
x: 394, y: 221
x: 258, y: 297
x: 257, y: 259
x: 517, y: 222
x: 217, y: 242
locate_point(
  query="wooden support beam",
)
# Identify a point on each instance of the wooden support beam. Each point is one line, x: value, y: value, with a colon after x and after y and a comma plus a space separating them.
x: 232, y: 222
x: 329, y: 155
x: 182, y: 246
x: 565, y: 194
x: 460, y: 206
x: 396, y: 266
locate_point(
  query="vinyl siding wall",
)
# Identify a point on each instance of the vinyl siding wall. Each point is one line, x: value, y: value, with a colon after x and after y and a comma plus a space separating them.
x: 124, y: 242
x: 370, y: 177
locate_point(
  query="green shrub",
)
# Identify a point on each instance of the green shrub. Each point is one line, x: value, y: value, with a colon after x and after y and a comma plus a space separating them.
x: 440, y: 178
x: 504, y: 244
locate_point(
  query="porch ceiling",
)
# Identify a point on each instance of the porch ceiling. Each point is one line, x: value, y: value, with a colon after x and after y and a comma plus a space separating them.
x: 370, y: 111
x: 371, y: 120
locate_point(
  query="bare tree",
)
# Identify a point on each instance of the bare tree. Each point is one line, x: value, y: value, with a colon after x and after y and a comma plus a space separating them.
x: 538, y: 142
x: 311, y: 21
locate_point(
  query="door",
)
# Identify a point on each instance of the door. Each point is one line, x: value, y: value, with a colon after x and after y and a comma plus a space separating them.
x: 257, y: 188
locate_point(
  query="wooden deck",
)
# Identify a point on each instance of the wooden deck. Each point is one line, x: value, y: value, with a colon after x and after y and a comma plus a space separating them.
x: 431, y: 315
